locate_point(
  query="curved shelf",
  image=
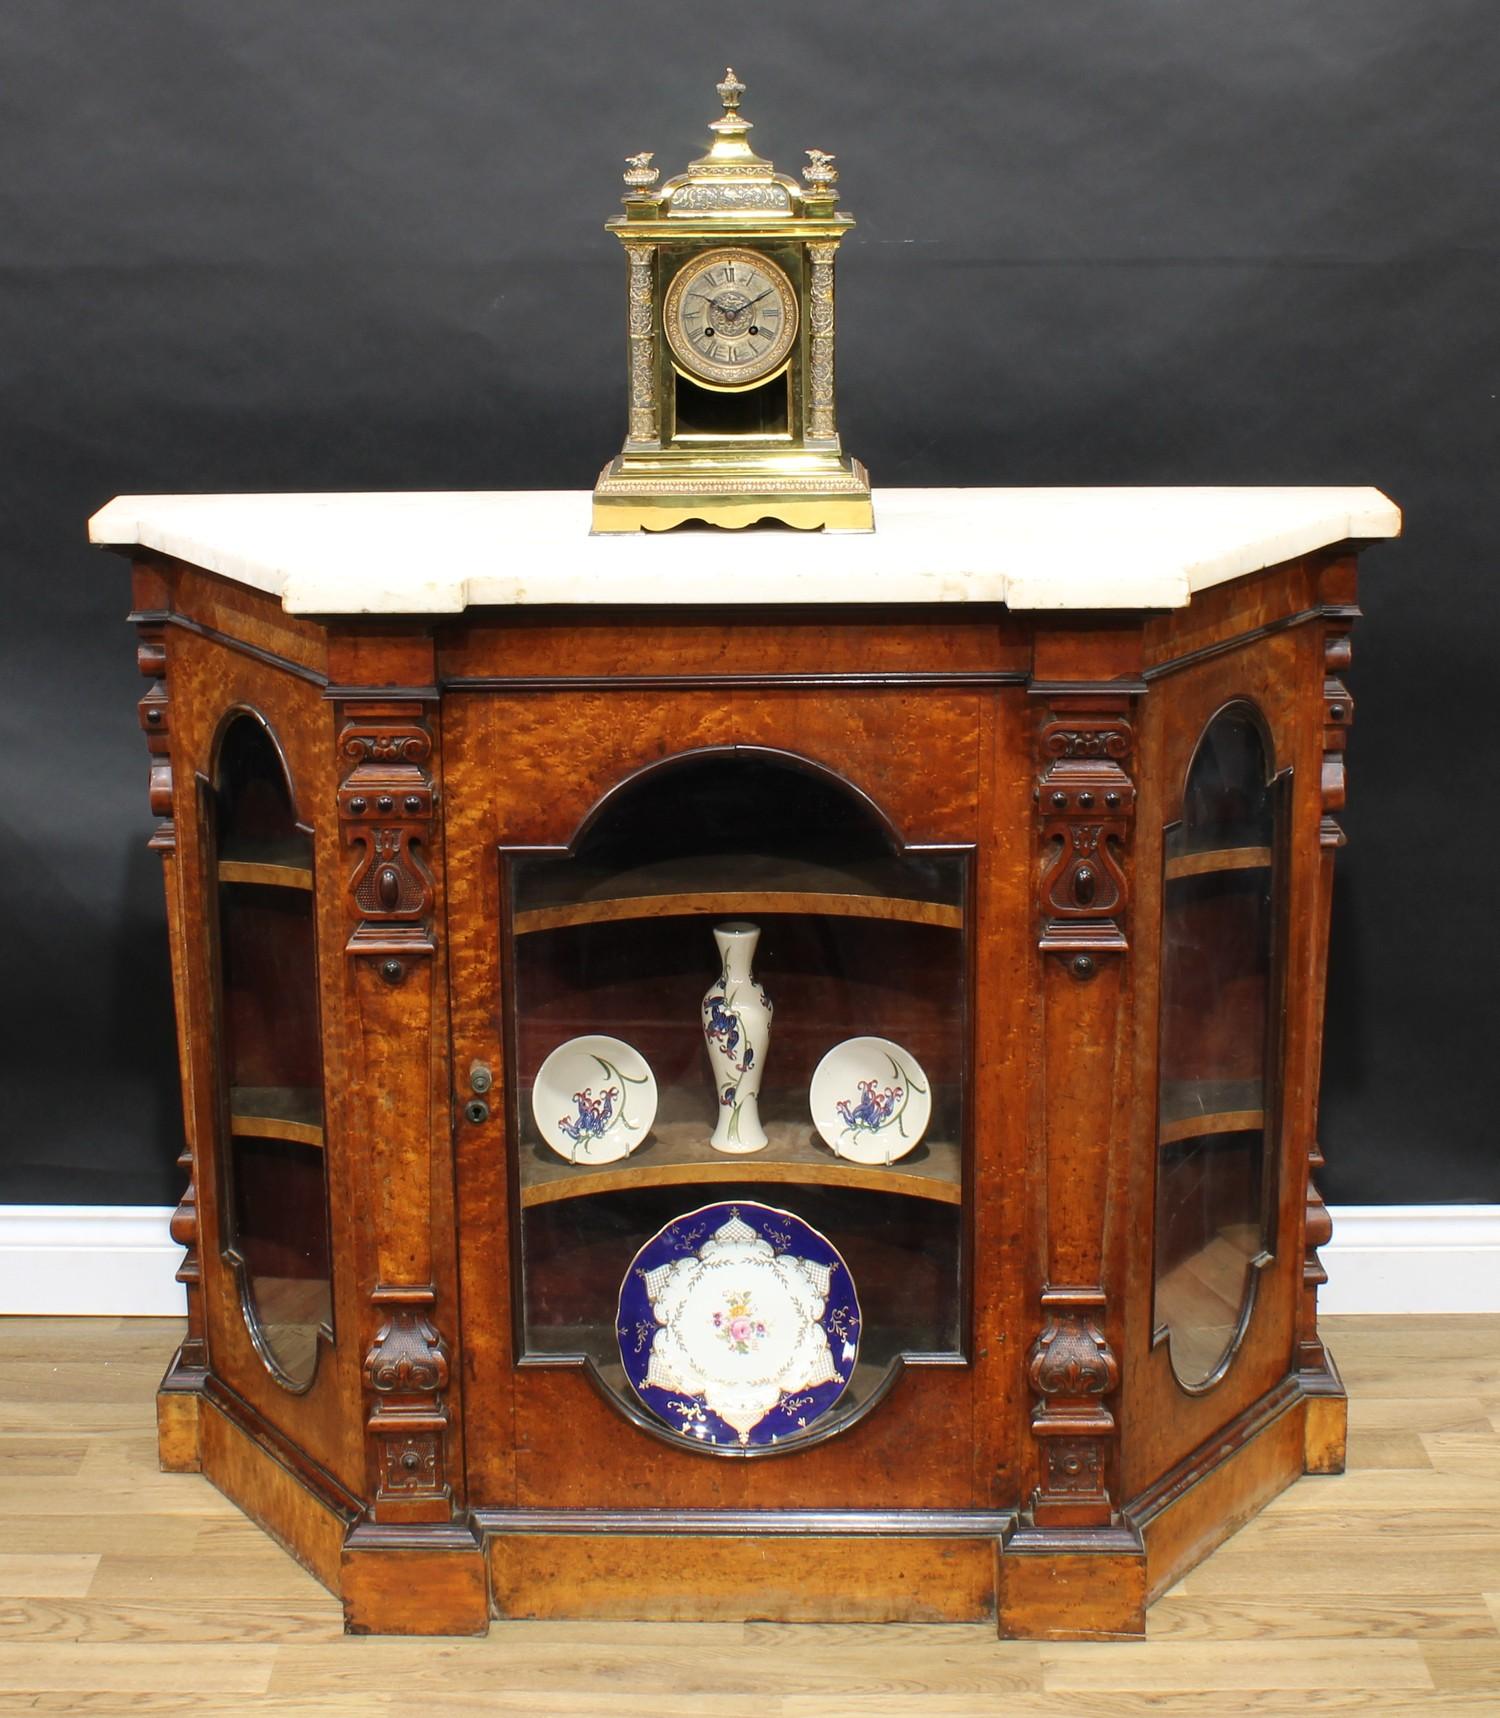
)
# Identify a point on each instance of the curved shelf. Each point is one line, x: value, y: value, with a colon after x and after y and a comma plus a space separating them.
x: 744, y: 884
x: 274, y: 864
x: 1218, y: 859
x: 1192, y: 1108
x: 677, y: 1154
x: 277, y: 1112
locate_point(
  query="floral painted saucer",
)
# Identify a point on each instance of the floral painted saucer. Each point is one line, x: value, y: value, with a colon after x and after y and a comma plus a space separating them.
x: 594, y: 1099
x: 738, y: 1325
x: 870, y: 1100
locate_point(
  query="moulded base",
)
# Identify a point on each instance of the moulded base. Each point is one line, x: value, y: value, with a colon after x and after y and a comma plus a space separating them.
x: 796, y: 1566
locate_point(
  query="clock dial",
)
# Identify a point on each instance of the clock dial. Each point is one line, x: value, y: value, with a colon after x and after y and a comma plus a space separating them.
x: 730, y: 316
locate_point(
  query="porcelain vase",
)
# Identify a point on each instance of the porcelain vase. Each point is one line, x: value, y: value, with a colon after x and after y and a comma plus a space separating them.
x: 737, y: 1030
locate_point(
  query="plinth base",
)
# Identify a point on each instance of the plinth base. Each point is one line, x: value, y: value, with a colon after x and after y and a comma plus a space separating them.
x: 828, y: 492
x: 915, y: 1565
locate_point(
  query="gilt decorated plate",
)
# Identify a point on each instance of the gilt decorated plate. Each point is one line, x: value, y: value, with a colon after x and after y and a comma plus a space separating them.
x: 738, y: 1325
x: 594, y: 1099
x: 870, y: 1100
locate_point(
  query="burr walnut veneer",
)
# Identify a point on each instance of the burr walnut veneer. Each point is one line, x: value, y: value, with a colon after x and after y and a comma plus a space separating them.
x: 1040, y: 785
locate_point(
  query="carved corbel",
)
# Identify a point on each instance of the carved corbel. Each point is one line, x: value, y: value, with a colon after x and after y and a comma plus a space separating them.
x: 1086, y: 807
x: 386, y: 811
x: 1338, y: 715
x: 406, y: 1373
x: 1072, y: 1369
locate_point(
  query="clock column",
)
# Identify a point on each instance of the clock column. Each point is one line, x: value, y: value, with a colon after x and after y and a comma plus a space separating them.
x: 821, y: 423
x: 645, y: 402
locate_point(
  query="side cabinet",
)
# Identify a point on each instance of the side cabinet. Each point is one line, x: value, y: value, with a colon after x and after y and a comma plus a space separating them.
x: 694, y: 1114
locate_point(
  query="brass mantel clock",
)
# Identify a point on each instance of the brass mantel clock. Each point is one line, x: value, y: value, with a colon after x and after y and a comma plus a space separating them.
x: 732, y: 415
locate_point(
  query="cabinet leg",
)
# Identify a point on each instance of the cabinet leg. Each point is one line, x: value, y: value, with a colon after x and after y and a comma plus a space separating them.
x: 411, y: 1589
x: 1072, y: 1594
x: 178, y: 1398
x: 1326, y: 1435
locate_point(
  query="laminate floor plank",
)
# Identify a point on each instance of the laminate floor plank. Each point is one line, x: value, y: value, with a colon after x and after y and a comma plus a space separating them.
x: 44, y: 1575
x: 123, y: 1590
x: 1185, y: 1615
x: 1387, y: 1450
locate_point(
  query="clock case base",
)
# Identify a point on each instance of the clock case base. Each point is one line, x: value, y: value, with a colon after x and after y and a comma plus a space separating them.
x: 646, y: 492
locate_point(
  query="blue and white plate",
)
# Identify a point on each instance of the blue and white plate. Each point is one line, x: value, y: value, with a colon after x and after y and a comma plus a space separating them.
x: 594, y: 1099
x: 870, y: 1100
x: 738, y: 1325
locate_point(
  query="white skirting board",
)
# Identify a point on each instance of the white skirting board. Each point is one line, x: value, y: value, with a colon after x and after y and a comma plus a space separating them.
x: 119, y: 1261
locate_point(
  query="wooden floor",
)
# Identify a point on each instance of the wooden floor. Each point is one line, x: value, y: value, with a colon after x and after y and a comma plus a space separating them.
x: 123, y: 1590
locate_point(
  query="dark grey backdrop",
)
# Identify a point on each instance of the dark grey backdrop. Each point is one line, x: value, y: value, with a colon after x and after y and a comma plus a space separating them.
x: 267, y: 244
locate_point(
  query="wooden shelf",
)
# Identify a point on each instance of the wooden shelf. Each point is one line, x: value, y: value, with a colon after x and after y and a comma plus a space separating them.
x: 1218, y: 859
x: 1192, y: 1108
x: 276, y: 864
x: 677, y: 1154
x: 277, y: 1112
x: 731, y: 886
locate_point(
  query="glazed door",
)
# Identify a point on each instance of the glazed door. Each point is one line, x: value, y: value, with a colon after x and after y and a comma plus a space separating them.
x: 714, y: 1027
x: 1228, y: 838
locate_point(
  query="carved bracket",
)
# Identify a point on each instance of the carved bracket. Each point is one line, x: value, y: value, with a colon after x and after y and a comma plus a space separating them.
x: 1086, y: 807
x: 406, y: 1371
x: 1071, y: 1369
x: 1338, y: 714
x: 155, y: 711
x: 386, y: 812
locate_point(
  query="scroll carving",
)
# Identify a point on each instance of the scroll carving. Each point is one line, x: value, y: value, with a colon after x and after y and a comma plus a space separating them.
x: 1071, y: 1369
x: 1071, y: 1358
x: 406, y: 1372
x: 1086, y: 803
x: 386, y: 810
x: 407, y: 1355
x: 645, y: 408
x: 820, y: 358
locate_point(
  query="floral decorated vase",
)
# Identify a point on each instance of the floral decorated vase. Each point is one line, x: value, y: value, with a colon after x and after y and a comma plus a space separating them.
x: 737, y: 1030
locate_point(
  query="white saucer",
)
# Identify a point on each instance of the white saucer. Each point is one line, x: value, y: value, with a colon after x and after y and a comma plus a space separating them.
x: 594, y: 1099
x: 870, y: 1099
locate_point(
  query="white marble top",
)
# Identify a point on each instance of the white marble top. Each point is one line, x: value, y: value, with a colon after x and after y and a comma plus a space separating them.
x: 436, y: 553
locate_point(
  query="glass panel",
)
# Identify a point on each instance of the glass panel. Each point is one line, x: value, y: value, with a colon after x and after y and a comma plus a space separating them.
x: 849, y: 938
x: 281, y: 1236
x: 1219, y: 1012
x: 276, y: 1192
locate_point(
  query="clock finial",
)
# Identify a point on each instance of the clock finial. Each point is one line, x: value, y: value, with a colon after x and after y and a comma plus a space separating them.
x: 640, y: 175
x: 730, y: 90
x: 820, y: 172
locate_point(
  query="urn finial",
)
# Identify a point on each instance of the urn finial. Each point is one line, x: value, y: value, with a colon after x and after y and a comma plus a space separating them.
x: 730, y: 90
x: 640, y: 175
x: 820, y: 172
